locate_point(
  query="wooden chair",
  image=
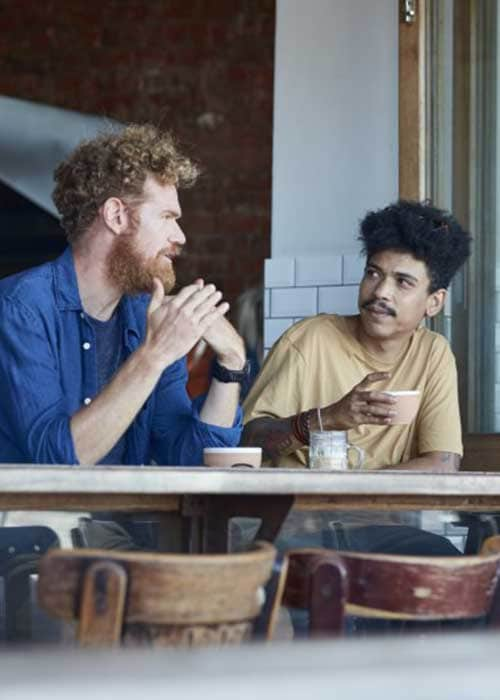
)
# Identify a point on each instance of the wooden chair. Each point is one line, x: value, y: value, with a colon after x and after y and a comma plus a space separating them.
x: 481, y: 453
x: 21, y: 547
x: 491, y: 546
x: 328, y: 584
x: 137, y: 598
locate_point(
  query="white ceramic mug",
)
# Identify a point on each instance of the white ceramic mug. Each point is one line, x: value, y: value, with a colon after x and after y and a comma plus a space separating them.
x: 225, y: 457
x: 329, y: 449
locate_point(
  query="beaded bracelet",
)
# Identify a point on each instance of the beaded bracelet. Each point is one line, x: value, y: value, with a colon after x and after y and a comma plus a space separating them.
x: 300, y: 427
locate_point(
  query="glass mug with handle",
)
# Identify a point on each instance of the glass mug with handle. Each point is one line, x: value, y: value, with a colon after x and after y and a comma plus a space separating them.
x: 329, y: 449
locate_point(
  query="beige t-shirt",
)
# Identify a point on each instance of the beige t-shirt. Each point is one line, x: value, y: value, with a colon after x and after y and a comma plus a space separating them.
x: 319, y: 360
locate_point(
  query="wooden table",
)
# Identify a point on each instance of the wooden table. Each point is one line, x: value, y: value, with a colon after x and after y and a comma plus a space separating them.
x: 213, y: 495
x: 161, y: 488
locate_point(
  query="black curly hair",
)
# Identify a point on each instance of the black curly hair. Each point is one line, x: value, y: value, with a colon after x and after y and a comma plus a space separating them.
x: 429, y: 234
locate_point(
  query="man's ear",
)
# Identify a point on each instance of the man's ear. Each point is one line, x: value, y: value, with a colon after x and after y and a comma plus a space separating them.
x: 115, y: 215
x: 435, y: 302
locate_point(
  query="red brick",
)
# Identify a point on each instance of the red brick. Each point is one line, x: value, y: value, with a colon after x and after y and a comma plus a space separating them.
x: 169, y: 62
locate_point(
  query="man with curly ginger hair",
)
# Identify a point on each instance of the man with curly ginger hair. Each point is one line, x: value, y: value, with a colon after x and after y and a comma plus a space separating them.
x: 93, y: 344
x: 337, y: 368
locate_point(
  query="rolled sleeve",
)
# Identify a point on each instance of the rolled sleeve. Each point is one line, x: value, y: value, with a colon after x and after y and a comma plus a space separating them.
x: 34, y: 419
x: 178, y: 434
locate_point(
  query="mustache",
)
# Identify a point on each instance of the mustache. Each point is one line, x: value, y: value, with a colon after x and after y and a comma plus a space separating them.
x: 378, y: 306
x: 173, y: 251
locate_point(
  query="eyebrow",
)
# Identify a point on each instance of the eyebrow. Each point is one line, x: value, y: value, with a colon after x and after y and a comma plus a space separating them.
x: 176, y: 213
x: 397, y: 273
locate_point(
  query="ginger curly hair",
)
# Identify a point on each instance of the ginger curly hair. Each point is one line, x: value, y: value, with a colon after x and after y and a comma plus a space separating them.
x: 116, y: 165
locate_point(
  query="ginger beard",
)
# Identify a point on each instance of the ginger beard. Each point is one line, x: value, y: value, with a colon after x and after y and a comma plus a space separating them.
x: 132, y: 272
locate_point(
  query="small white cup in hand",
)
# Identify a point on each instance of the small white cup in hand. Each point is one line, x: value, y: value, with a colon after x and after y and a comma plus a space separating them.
x: 406, y: 406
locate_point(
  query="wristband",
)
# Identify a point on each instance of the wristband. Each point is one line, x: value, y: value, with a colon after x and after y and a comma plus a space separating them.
x: 225, y: 375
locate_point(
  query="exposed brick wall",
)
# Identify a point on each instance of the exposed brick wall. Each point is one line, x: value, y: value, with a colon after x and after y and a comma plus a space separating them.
x: 203, y: 68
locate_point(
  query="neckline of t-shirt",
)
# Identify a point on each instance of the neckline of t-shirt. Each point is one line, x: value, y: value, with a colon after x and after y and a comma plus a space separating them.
x: 367, y: 356
x: 112, y: 321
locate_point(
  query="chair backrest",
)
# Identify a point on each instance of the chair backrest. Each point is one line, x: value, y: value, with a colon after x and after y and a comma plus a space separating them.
x: 21, y: 547
x: 156, y: 599
x: 481, y: 452
x: 330, y: 583
x: 491, y: 545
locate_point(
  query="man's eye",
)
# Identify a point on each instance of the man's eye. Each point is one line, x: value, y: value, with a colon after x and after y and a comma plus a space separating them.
x: 404, y: 283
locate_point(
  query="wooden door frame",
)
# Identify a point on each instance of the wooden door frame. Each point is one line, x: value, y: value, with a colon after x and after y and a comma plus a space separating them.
x: 412, y: 104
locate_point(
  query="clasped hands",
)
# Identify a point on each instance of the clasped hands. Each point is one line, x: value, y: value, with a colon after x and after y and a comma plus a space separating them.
x: 176, y: 323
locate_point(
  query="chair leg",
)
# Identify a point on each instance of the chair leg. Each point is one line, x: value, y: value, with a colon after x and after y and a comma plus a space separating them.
x: 102, y: 604
x: 265, y: 623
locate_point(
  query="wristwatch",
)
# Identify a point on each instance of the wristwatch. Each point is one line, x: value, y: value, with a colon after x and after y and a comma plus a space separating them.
x: 223, y: 374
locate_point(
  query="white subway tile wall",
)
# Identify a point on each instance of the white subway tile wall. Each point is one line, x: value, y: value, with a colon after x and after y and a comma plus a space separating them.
x: 294, y: 301
x: 318, y: 270
x: 353, y: 268
x: 341, y: 300
x: 274, y: 328
x: 296, y: 288
x: 279, y: 272
x: 267, y: 303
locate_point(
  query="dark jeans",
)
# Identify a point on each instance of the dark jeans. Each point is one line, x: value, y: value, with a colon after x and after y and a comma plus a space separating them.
x: 389, y: 539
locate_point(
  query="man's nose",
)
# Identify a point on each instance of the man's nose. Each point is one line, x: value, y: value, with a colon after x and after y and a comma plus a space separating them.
x: 384, y: 290
x: 177, y: 235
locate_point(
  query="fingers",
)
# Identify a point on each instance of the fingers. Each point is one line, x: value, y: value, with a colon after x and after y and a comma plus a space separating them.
x: 375, y: 397
x: 373, y: 377
x: 375, y: 413
x: 212, y: 316
x: 373, y: 407
x: 196, y: 298
x: 203, y: 302
x: 185, y: 294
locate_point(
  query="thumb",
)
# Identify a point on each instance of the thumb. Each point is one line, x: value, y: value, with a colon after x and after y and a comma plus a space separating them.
x: 373, y: 377
x: 157, y: 296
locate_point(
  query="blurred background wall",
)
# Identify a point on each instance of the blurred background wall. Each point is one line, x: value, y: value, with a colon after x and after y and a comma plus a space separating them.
x: 203, y: 68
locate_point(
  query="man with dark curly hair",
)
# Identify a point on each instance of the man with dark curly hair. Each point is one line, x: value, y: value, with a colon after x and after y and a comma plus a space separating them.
x: 93, y: 344
x: 337, y: 369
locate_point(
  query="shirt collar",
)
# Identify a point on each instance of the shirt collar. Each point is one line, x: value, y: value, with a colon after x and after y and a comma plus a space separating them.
x: 66, y: 284
x: 68, y: 296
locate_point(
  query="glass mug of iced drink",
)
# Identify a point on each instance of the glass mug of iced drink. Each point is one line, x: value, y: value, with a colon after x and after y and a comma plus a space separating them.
x: 329, y: 450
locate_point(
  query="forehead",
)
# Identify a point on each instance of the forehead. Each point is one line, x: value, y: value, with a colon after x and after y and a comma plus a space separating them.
x: 393, y: 262
x: 163, y: 196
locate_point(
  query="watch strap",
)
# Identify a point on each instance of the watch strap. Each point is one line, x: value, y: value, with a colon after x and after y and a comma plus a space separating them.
x: 225, y: 375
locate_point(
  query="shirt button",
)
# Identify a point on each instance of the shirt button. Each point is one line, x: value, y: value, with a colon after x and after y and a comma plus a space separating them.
x: 86, y: 346
x: 82, y: 315
x: 87, y: 401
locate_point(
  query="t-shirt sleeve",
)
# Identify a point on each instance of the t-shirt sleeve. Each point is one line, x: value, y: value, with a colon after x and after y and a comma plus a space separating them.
x: 277, y: 392
x: 439, y: 427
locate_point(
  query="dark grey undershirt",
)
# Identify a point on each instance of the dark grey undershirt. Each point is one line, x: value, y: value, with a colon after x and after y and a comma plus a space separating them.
x: 110, y: 355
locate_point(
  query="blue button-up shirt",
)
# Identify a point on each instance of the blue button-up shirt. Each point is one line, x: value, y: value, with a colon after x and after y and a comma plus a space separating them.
x: 48, y: 371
